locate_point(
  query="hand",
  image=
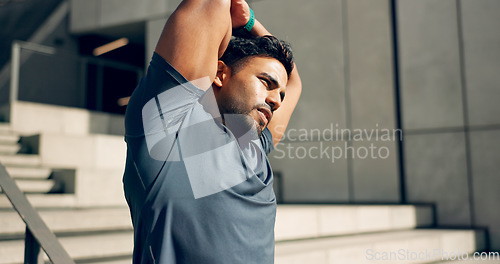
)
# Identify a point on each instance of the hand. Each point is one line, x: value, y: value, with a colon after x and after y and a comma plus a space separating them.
x: 240, y: 13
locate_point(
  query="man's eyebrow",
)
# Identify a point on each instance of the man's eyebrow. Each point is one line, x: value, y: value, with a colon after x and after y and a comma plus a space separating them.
x: 271, y: 78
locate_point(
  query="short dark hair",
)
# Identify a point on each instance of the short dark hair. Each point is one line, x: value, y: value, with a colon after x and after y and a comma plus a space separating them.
x: 240, y: 48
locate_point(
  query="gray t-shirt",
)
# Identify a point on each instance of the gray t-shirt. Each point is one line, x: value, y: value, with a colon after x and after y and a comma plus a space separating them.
x: 196, y: 194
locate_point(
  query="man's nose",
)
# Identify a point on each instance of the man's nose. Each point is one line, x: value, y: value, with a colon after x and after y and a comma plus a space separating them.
x: 274, y: 99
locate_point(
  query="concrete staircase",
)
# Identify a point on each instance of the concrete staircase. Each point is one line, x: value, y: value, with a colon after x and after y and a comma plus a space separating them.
x: 316, y: 234
x: 90, y: 234
x: 24, y: 168
x: 355, y: 234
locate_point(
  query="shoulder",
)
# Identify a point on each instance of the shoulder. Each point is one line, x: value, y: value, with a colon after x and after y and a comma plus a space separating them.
x: 266, y: 139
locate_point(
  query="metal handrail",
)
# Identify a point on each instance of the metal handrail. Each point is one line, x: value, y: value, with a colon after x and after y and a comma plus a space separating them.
x: 37, y: 233
x: 17, y: 60
x: 17, y: 45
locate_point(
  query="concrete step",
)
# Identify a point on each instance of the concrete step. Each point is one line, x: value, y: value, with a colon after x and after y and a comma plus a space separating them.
x: 409, y: 246
x: 5, y: 128
x: 28, y: 172
x: 8, y: 139
x: 309, y: 221
x: 35, y: 186
x: 20, y: 160
x: 44, y: 201
x: 9, y: 149
x: 31, y: 118
x: 415, y: 246
x: 127, y: 260
x: 70, y: 220
x: 105, y: 245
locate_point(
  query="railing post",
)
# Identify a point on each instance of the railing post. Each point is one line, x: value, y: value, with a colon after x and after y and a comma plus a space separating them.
x: 32, y: 252
x: 15, y: 66
x: 14, y: 71
x: 99, y: 87
x: 38, y: 235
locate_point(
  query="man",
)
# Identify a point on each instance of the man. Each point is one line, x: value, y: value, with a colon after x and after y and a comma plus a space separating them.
x: 198, y: 129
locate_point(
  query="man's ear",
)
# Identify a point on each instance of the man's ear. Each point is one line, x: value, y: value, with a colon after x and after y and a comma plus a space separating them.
x: 223, y: 72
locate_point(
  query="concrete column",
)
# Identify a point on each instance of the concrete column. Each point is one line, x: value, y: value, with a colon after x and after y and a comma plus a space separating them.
x: 481, y: 42
x: 436, y: 173
x: 481, y: 36
x: 372, y: 103
x: 485, y: 146
x: 429, y: 64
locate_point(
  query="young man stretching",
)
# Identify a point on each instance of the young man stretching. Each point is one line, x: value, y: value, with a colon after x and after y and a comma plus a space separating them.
x: 199, y: 127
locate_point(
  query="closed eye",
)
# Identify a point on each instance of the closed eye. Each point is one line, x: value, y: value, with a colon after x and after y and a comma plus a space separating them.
x: 271, y: 83
x: 266, y: 81
x: 270, y: 80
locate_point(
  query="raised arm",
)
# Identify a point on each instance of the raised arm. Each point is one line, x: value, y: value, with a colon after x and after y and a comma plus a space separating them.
x: 195, y: 36
x: 281, y: 117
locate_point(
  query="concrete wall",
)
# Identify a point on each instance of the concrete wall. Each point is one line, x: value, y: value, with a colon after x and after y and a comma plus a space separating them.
x: 432, y: 109
x: 91, y: 15
x: 449, y: 60
x: 449, y: 65
x: 343, y: 51
x: 154, y: 27
x: 372, y: 102
x: 481, y: 54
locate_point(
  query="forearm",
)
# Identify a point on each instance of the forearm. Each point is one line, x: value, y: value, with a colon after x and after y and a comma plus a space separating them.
x: 282, y: 116
x: 259, y: 29
x: 195, y: 36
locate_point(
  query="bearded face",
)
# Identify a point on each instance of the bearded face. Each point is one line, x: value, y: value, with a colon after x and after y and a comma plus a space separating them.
x: 248, y: 96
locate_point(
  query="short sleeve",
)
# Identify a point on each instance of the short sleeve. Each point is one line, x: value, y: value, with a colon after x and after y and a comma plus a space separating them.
x: 266, y: 139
